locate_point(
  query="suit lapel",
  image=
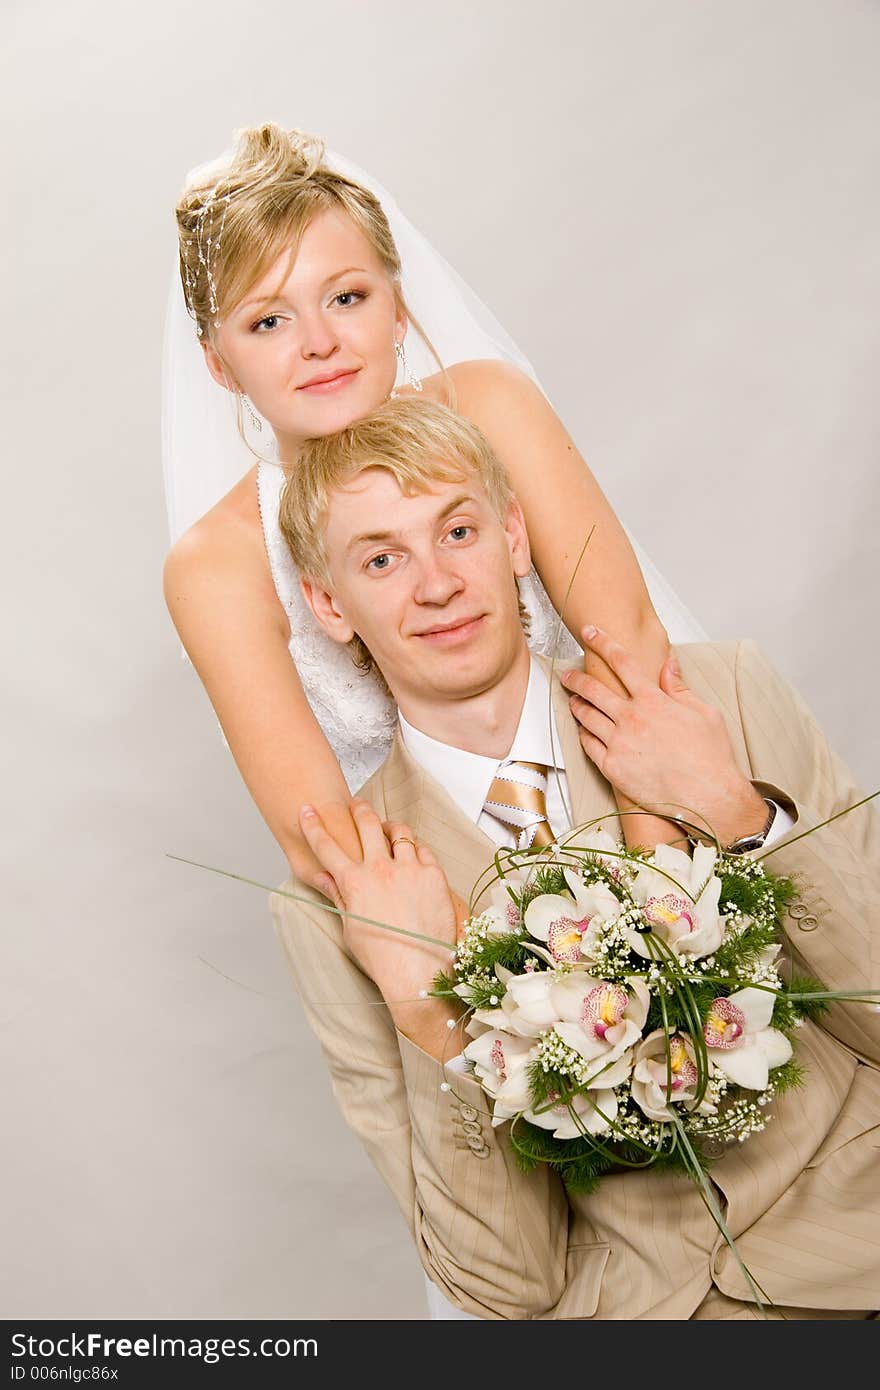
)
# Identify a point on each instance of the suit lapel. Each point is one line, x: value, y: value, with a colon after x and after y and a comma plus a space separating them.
x: 411, y: 795
x: 588, y: 793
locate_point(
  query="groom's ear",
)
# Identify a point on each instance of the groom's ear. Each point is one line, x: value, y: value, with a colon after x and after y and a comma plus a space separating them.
x: 518, y: 539
x: 326, y: 610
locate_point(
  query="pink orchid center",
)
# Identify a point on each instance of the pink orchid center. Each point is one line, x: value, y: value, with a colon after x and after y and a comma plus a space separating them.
x: 682, y: 1069
x: 725, y: 1024
x: 513, y: 915
x: 564, y: 940
x: 603, y: 1008
x: 666, y: 911
x: 496, y: 1057
x: 684, y: 1073
x: 561, y: 1108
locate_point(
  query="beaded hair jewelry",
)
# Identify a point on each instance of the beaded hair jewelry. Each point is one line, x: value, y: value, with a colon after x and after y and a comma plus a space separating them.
x: 207, y: 247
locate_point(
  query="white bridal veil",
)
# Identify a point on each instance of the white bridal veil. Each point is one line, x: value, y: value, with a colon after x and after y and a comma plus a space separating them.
x: 203, y: 455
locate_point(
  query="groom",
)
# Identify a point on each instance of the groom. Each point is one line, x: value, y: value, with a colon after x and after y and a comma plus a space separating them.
x: 411, y: 544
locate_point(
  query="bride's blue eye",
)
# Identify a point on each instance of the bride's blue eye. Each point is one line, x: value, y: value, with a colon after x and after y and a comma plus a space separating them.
x: 270, y: 322
x: 352, y: 297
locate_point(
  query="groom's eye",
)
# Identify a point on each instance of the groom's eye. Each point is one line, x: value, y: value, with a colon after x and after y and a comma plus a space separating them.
x: 460, y: 533
x: 379, y: 562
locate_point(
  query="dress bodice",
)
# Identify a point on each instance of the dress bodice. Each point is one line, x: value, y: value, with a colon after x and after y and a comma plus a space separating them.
x: 352, y: 707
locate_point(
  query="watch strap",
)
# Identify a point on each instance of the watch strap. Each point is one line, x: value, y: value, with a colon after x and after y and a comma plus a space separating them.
x: 745, y: 843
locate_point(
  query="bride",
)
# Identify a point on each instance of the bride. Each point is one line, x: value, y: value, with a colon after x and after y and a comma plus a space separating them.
x: 313, y: 301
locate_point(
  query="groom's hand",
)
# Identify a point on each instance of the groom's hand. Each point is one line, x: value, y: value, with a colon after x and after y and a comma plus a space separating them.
x: 662, y: 747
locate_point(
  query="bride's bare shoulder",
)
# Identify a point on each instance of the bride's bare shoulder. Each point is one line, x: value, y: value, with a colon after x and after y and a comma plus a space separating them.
x: 487, y: 371
x: 479, y: 385
x: 227, y: 540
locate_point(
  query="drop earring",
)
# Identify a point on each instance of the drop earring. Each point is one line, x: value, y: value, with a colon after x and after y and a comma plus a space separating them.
x: 409, y: 376
x: 251, y: 413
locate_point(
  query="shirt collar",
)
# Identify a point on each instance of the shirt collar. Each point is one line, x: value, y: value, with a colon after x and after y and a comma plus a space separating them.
x: 467, y: 777
x: 536, y: 739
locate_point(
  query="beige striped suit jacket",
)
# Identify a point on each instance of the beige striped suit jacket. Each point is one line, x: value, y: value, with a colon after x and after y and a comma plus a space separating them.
x: 802, y: 1198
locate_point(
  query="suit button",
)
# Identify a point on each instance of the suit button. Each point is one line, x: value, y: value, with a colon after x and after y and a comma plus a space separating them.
x: 467, y: 1112
x: 809, y: 922
x: 472, y: 1127
x: 797, y: 910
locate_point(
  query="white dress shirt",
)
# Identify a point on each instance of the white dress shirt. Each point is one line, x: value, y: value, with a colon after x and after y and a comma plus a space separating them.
x: 467, y: 777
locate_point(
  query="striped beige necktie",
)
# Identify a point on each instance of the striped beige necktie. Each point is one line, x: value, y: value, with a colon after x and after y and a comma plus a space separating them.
x: 517, y: 797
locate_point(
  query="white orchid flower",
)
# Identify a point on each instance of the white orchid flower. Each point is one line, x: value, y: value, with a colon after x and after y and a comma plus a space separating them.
x: 598, y: 844
x: 527, y: 1005
x: 680, y: 904
x: 602, y: 1022
x: 569, y: 925
x: 595, y: 1113
x: 741, y: 1042
x: 650, y: 1076
x: 492, y: 1015
x: 501, y: 1063
x: 502, y: 915
x: 598, y: 841
x: 492, y: 1018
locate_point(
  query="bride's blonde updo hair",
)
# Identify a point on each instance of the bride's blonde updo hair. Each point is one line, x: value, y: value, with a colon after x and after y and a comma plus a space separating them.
x: 235, y: 223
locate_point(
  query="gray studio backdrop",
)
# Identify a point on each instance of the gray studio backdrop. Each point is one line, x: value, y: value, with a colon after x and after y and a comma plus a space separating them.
x: 673, y: 207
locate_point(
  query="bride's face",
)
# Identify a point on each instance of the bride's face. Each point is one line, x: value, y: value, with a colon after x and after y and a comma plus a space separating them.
x: 312, y: 345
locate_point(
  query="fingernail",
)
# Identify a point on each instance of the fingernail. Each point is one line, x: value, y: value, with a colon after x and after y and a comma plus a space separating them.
x: 589, y: 632
x: 566, y: 676
x: 674, y: 666
x: 307, y: 810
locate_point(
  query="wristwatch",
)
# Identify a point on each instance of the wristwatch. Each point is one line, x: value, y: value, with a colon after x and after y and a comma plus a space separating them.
x: 749, y: 842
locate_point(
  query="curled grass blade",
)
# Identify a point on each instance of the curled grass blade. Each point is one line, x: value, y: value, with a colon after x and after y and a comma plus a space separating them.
x: 310, y: 902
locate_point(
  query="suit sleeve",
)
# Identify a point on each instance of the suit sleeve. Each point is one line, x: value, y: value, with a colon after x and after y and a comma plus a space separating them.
x: 833, y: 926
x: 492, y: 1238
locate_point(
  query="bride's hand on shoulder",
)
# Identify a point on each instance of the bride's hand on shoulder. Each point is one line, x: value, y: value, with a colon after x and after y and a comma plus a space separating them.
x: 394, y: 882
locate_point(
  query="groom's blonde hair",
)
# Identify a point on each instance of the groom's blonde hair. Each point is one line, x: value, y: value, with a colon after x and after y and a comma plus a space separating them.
x: 418, y: 442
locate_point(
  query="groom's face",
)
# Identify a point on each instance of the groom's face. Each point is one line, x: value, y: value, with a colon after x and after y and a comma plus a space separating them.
x: 426, y: 581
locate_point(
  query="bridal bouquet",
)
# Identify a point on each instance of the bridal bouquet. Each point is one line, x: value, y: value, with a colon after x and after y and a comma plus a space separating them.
x: 626, y: 1008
